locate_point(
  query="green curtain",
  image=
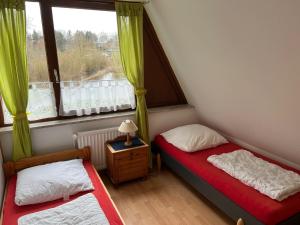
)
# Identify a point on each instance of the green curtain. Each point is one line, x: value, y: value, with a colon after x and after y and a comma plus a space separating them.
x: 130, y: 32
x: 13, y: 72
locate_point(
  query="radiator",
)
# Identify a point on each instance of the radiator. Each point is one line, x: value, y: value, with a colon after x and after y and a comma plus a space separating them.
x: 96, y: 139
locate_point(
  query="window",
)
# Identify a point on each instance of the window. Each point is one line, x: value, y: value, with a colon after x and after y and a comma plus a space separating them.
x: 92, y: 78
x: 41, y: 102
x: 73, y: 61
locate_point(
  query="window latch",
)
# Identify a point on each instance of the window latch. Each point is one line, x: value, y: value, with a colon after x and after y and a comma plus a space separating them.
x: 56, y: 75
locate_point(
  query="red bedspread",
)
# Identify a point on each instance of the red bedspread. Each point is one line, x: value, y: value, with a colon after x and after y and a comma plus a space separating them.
x: 263, y: 208
x: 12, y: 212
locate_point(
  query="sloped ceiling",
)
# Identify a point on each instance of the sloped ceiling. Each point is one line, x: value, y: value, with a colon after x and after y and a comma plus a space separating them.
x: 238, y: 63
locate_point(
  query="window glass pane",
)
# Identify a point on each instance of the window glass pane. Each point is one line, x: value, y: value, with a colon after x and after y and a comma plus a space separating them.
x: 41, y: 102
x: 92, y: 79
x: 36, y: 54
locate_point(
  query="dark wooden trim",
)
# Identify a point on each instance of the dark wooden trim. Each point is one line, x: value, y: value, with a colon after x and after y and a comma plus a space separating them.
x: 85, y: 4
x: 71, y: 117
x: 168, y: 71
x: 163, y: 104
x: 148, y: 27
x: 50, y: 45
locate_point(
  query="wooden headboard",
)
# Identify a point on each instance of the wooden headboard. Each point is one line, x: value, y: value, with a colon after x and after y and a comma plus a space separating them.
x: 11, y: 168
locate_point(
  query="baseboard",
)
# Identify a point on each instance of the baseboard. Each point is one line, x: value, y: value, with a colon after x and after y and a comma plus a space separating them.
x: 262, y: 152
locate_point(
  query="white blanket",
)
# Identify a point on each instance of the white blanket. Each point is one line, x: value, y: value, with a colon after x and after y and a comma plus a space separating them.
x: 268, y: 178
x: 84, y: 210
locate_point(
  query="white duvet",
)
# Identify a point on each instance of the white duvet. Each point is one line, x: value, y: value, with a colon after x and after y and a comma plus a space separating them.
x: 84, y: 210
x: 268, y: 178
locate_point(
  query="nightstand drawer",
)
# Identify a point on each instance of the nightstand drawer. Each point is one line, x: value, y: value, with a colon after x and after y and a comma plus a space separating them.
x: 133, y: 154
x: 124, y: 164
x: 132, y: 173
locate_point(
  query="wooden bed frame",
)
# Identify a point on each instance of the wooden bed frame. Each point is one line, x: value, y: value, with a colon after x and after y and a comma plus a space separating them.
x: 11, y: 168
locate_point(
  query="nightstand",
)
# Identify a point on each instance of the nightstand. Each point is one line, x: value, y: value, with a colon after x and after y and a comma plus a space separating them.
x: 126, y: 163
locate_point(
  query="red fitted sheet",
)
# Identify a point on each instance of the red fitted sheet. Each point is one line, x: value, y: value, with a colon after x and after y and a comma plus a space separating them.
x: 11, y: 212
x: 263, y: 208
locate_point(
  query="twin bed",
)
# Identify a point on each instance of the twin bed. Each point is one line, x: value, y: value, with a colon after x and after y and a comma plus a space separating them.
x: 11, y: 212
x: 242, y: 203
x: 239, y: 201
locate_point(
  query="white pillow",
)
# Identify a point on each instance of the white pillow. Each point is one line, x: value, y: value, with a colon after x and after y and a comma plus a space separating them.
x: 194, y: 137
x: 51, y: 181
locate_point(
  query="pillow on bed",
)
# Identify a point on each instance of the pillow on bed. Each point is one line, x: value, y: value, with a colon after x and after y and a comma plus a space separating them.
x: 194, y: 137
x: 51, y: 181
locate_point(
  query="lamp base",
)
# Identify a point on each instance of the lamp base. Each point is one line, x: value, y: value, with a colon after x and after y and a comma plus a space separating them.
x: 128, y: 141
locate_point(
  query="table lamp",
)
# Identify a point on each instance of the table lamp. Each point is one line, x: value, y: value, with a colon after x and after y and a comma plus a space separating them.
x: 128, y: 127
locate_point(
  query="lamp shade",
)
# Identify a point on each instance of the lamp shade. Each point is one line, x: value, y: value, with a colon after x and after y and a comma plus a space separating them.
x: 127, y: 126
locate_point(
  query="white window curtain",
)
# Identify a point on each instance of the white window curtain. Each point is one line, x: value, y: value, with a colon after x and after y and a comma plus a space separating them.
x: 78, y: 98
x: 95, y: 96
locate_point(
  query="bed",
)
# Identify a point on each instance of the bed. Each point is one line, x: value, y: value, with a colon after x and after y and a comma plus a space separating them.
x: 240, y: 202
x: 11, y: 212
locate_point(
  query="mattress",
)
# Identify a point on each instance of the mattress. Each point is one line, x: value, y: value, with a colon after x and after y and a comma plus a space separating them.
x: 263, y: 208
x: 11, y: 212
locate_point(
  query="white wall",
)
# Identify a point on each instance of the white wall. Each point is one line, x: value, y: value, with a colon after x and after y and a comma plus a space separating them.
x: 238, y: 62
x: 56, y: 138
x: 60, y: 137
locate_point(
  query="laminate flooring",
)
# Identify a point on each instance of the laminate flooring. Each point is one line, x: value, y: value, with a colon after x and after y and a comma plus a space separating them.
x: 163, y: 199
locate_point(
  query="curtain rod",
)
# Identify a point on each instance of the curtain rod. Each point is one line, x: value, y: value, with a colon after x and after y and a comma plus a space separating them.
x: 134, y: 1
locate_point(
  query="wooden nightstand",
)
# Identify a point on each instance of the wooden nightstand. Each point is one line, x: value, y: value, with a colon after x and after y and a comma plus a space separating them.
x: 127, y: 163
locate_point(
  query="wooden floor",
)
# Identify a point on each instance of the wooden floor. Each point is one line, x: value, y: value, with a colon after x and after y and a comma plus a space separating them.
x: 163, y: 199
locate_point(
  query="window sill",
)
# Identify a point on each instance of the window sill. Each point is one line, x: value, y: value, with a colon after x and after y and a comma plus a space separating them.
x: 96, y: 118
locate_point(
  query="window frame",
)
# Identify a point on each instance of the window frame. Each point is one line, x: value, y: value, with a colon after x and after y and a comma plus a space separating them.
x: 157, y: 65
x: 50, y: 42
x: 51, y: 50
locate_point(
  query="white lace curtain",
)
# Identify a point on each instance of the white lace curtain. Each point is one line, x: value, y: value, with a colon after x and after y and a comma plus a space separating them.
x: 87, y: 97
x: 77, y: 98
